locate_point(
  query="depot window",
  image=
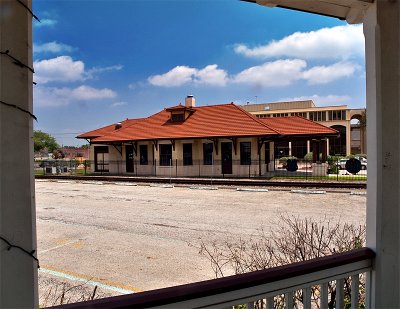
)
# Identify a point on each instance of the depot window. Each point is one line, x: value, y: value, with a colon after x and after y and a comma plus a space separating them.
x: 165, y: 155
x: 187, y: 154
x: 143, y: 155
x: 101, y: 158
x: 207, y: 153
x: 245, y: 153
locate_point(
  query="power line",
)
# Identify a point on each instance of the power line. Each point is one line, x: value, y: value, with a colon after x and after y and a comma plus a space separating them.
x: 30, y: 253
x: 29, y: 10
x: 19, y: 108
x: 16, y: 61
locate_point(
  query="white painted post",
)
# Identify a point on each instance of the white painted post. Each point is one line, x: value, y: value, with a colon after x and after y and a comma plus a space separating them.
x: 382, y: 38
x: 270, y: 304
x: 348, y: 138
x: 324, y: 296
x: 355, y: 287
x: 289, y: 300
x: 327, y: 147
x: 307, y: 298
x: 339, y: 294
x: 18, y: 270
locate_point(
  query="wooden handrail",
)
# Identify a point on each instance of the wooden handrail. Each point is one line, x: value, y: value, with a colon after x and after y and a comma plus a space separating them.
x: 189, y: 291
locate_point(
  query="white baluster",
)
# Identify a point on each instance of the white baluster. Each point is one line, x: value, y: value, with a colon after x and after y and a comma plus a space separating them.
x: 270, y: 303
x: 307, y: 298
x: 324, y: 296
x: 339, y: 294
x: 355, y: 286
x: 289, y: 300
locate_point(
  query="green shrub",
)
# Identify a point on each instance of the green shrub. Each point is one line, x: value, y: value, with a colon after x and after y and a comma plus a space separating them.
x: 308, y: 156
x: 283, y: 160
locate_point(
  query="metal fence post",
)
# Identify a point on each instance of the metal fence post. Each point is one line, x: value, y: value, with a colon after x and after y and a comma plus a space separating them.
x: 212, y: 169
x: 306, y: 169
x: 170, y: 170
x: 337, y: 169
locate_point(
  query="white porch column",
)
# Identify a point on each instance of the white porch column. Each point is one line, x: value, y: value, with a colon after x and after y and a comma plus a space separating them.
x: 290, y: 149
x: 272, y: 156
x: 18, y: 270
x: 348, y: 139
x: 382, y: 32
x: 327, y: 147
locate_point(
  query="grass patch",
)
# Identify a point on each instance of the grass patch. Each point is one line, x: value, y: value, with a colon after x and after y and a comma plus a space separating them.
x: 328, y: 177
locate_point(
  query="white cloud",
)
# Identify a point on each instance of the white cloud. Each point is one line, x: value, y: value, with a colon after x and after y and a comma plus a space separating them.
x: 271, y: 74
x: 277, y: 73
x: 327, y: 74
x: 118, y: 104
x: 65, y: 69
x: 211, y: 75
x: 62, y: 68
x: 327, y: 100
x: 52, y: 96
x: 97, y: 70
x: 45, y: 23
x: 341, y: 42
x: 180, y: 75
x: 85, y: 93
x: 52, y: 47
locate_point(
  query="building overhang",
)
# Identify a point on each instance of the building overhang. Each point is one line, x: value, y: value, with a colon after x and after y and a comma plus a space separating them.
x: 353, y: 11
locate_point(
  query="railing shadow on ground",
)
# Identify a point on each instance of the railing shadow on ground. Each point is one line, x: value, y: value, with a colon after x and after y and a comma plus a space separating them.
x: 263, y: 288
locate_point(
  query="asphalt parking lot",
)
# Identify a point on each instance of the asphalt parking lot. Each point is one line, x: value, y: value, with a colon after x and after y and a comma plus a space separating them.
x: 126, y: 238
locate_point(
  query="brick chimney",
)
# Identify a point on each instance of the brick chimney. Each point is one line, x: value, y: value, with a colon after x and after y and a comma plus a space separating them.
x: 190, y: 101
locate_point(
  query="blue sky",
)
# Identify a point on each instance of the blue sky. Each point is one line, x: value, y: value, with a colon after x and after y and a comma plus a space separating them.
x: 99, y: 62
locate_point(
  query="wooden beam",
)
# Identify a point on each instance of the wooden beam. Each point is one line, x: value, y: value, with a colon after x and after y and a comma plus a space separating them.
x: 215, y: 141
x: 135, y: 144
x: 119, y: 150
x: 155, y: 144
x: 234, y: 142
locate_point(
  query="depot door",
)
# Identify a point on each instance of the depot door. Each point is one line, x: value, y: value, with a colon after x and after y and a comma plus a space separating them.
x: 226, y: 156
x: 129, y: 158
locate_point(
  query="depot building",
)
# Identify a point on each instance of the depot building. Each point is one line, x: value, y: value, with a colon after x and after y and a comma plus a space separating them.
x: 190, y: 141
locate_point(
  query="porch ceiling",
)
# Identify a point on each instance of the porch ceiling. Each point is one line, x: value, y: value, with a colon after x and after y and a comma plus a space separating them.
x: 352, y: 11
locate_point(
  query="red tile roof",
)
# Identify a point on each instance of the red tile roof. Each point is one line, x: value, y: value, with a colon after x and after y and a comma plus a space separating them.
x: 297, y: 125
x: 179, y: 107
x: 227, y: 120
x: 108, y: 129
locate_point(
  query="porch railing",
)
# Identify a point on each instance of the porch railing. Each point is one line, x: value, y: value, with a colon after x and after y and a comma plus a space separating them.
x: 265, y: 288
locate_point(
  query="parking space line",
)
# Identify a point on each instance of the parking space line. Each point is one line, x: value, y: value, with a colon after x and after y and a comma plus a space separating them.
x: 62, y: 245
x: 105, y: 284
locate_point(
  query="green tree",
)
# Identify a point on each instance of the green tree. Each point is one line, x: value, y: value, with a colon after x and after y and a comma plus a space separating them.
x: 58, y: 154
x: 42, y: 140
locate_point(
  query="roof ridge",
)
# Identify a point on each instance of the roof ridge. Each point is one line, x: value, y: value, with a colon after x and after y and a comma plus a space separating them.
x: 214, y: 105
x: 255, y: 118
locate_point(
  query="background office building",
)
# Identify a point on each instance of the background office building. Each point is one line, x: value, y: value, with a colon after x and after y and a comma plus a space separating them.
x: 350, y: 123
